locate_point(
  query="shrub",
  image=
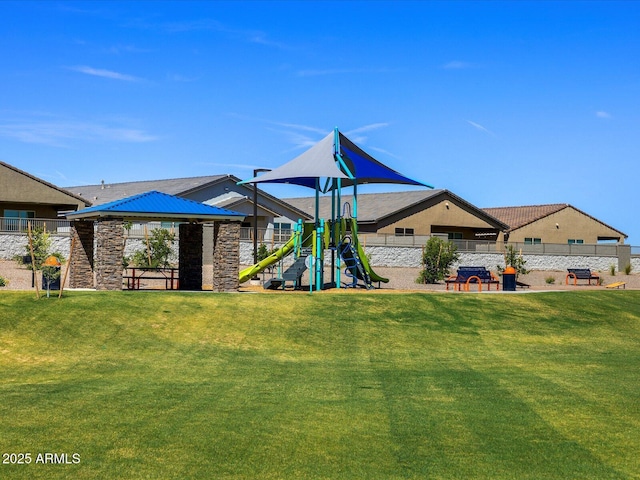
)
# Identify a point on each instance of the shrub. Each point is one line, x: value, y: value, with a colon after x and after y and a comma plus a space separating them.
x: 550, y: 280
x: 263, y: 252
x: 612, y: 270
x: 627, y: 269
x: 437, y: 256
x: 3, y: 282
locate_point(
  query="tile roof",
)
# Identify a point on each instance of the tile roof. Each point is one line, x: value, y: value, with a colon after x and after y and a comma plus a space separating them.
x: 371, y: 206
x: 517, y: 217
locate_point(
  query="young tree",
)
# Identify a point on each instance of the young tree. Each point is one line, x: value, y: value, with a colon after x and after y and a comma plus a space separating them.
x: 513, y: 258
x: 159, y: 252
x: 437, y: 257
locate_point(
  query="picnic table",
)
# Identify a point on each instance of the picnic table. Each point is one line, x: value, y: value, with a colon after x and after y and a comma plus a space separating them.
x: 133, y: 276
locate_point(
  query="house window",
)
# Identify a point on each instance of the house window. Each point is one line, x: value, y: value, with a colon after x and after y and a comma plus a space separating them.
x: 532, y: 241
x: 572, y: 241
x: 282, y: 231
x: 14, y: 219
x: 404, y: 232
x: 454, y: 236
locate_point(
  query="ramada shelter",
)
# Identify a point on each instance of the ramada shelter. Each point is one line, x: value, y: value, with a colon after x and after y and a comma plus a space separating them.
x: 103, y: 226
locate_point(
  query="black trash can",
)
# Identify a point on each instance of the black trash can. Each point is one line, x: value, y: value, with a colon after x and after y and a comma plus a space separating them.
x: 55, y: 279
x: 509, y: 279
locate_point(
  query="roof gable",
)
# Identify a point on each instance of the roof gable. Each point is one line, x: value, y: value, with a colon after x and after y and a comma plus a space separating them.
x: 157, y: 205
x: 109, y: 192
x: 518, y: 217
x: 374, y: 207
x: 56, y: 195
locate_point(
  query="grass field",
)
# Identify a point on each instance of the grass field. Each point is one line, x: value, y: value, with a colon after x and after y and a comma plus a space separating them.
x: 178, y: 385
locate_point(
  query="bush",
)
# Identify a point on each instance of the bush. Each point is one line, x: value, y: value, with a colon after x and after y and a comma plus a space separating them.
x: 627, y: 269
x: 3, y: 282
x: 612, y: 270
x: 437, y: 258
x: 263, y: 252
x: 550, y: 280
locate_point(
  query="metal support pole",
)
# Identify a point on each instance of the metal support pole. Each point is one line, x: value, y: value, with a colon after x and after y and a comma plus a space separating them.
x: 255, y: 213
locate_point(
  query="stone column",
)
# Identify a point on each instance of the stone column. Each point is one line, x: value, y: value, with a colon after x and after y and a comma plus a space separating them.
x: 109, y: 252
x: 81, y: 263
x: 226, y: 256
x: 190, y: 256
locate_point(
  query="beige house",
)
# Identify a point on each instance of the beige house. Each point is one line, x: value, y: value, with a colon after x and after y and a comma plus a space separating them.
x: 23, y: 196
x: 558, y: 223
x: 413, y: 213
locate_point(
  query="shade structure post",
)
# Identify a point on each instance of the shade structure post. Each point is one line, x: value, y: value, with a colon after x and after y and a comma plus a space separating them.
x: 319, y: 264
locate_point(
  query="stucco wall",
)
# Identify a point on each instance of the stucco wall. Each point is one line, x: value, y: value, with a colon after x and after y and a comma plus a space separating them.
x: 442, y: 217
x: 563, y: 225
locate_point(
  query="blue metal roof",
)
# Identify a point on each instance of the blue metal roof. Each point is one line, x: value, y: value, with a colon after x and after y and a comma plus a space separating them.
x: 157, y: 205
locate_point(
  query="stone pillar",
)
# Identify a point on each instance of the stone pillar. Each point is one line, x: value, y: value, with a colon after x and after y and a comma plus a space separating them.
x: 81, y: 263
x: 190, y: 256
x: 624, y: 257
x: 226, y: 256
x: 109, y: 252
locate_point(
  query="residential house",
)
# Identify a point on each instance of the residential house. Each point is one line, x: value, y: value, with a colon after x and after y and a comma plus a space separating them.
x: 24, y: 197
x: 558, y: 223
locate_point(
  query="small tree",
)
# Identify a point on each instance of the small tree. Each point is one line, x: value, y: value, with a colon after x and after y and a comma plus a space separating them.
x: 263, y: 252
x: 41, y: 244
x: 513, y: 258
x: 159, y: 250
x: 437, y: 257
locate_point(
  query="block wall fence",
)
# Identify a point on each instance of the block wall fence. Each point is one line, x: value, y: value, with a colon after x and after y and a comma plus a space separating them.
x: 13, y: 244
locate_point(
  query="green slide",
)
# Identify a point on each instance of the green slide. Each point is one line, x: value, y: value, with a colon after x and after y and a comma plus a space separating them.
x: 363, y: 258
x: 283, y: 251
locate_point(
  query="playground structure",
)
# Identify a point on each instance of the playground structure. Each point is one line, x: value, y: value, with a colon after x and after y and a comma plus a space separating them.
x: 329, y: 166
x: 308, y: 245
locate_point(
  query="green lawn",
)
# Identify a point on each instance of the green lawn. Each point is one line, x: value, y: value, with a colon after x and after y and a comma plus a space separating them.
x: 177, y: 385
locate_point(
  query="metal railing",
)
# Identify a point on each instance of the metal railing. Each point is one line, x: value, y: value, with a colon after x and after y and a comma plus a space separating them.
x: 272, y: 236
x: 21, y: 225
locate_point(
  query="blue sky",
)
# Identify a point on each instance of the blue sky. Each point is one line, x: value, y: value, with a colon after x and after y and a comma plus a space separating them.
x: 503, y: 103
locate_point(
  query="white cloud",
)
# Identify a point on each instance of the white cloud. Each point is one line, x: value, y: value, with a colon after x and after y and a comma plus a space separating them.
x: 602, y: 114
x: 480, y: 127
x: 206, y: 24
x: 98, y: 72
x: 59, y: 132
x: 457, y: 65
x: 340, y: 71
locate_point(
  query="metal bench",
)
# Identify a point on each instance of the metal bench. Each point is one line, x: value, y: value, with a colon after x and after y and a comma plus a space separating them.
x: 581, y: 274
x: 468, y: 275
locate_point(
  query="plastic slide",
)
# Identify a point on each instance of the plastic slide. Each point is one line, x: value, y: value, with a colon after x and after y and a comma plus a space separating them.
x: 283, y: 251
x: 363, y: 257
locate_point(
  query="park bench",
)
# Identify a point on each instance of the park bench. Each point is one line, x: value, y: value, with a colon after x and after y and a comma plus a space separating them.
x: 581, y: 274
x: 134, y: 275
x: 468, y: 275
